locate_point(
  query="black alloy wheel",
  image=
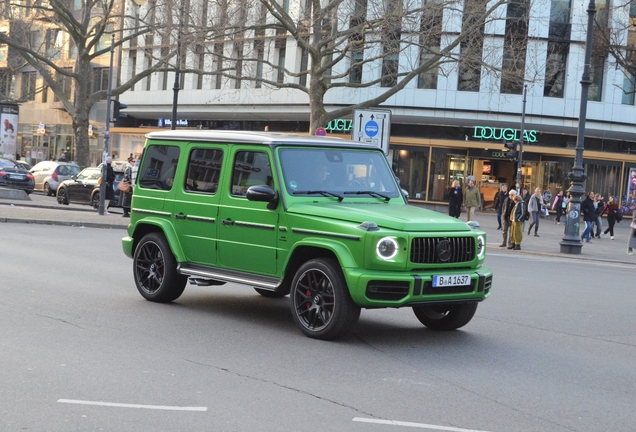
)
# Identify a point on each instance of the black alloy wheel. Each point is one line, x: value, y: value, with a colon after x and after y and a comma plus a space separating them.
x: 155, y: 270
x: 95, y: 200
x: 321, y: 304
x: 444, y: 318
x: 61, y: 196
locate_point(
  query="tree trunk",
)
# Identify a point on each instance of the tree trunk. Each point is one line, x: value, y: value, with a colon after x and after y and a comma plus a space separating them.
x: 317, y: 113
x: 80, y: 129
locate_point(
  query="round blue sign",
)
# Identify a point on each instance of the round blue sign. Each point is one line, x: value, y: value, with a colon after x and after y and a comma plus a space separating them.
x: 371, y: 128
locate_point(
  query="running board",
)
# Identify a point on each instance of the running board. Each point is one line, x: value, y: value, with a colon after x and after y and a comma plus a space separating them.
x: 216, y: 274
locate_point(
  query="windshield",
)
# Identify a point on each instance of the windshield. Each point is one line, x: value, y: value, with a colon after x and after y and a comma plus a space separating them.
x: 339, y: 173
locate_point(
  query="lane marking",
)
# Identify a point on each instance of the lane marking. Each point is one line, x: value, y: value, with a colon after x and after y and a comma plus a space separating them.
x: 414, y: 425
x: 122, y: 405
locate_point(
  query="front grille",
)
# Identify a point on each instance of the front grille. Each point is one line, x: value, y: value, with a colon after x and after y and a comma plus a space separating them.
x: 387, y: 290
x: 442, y: 250
x: 428, y: 289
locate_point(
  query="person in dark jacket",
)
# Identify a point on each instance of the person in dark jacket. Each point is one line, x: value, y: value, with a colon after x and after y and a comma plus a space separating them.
x: 125, y: 198
x: 610, y: 209
x: 589, y: 216
x: 499, y: 200
x: 525, y: 195
x: 455, y: 199
x: 110, y: 180
x: 599, y: 205
x: 507, y: 206
x: 559, y: 207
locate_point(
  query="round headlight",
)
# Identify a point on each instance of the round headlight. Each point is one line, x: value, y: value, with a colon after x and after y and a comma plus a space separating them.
x: 481, y: 246
x: 387, y: 248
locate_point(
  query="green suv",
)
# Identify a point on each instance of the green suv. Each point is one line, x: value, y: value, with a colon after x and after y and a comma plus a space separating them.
x: 323, y: 220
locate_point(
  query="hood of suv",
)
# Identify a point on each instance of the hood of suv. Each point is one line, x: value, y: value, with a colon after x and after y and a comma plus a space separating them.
x: 397, y: 217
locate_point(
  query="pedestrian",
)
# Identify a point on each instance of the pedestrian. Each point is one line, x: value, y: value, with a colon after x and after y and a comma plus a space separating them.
x: 589, y: 216
x: 499, y: 200
x: 599, y: 204
x: 535, y: 207
x: 516, y: 217
x: 455, y: 199
x: 610, y: 208
x: 559, y: 206
x: 110, y: 179
x: 472, y: 200
x: 507, y: 206
x: 525, y: 195
x: 125, y: 197
x: 631, y: 242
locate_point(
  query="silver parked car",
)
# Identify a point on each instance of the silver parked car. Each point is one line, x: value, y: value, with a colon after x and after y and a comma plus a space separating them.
x: 49, y: 174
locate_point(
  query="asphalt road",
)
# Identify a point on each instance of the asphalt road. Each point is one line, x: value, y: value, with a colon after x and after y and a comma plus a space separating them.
x: 553, y: 349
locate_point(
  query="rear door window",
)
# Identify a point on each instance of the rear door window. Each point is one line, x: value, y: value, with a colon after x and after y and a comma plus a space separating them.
x: 159, y: 166
x: 204, y: 170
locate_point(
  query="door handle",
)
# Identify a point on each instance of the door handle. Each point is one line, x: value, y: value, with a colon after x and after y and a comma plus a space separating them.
x: 227, y: 222
x: 180, y: 216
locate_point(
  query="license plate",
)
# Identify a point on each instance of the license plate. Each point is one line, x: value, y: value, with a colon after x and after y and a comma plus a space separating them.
x: 451, y: 280
x: 16, y: 177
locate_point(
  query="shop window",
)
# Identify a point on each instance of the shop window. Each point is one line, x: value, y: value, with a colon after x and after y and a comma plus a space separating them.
x: 445, y: 168
x: 629, y: 87
x: 629, y: 193
x: 410, y: 167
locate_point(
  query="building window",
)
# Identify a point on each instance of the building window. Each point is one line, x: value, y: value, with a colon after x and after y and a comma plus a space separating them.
x: 391, y: 38
x: 515, y: 47
x: 558, y: 48
x: 28, y: 85
x: 357, y: 40
x: 199, y: 51
x: 238, y: 64
x: 280, y: 76
x: 100, y: 79
x: 304, y: 63
x: 260, y: 55
x: 629, y: 88
x: 218, y: 60
x: 132, y: 65
x: 597, y: 67
x: 471, y: 50
x: 355, y: 73
x: 52, y: 45
x: 430, y: 40
x: 6, y: 77
x: 65, y: 82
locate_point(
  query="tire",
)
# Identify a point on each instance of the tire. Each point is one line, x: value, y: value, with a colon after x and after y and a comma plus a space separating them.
x: 320, y: 301
x: 47, y: 189
x: 269, y: 294
x: 95, y: 201
x: 155, y: 270
x: 62, y: 198
x: 444, y: 318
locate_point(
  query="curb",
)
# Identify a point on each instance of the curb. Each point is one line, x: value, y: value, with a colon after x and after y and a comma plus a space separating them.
x: 62, y: 223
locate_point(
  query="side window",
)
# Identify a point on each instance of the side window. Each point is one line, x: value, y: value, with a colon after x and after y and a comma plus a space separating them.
x: 159, y: 166
x: 204, y: 170
x: 250, y: 168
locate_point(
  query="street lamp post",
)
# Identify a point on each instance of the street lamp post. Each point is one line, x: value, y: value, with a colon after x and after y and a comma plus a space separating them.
x: 521, y: 138
x: 571, y: 242
x: 177, y: 84
x: 102, y: 186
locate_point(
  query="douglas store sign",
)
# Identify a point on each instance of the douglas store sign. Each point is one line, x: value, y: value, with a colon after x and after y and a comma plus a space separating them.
x: 501, y: 134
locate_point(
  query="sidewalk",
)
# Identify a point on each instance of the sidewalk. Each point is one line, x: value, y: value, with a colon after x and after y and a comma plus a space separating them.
x: 45, y: 210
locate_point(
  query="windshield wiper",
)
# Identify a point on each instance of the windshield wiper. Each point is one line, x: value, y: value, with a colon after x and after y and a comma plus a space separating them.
x: 323, y: 193
x: 372, y: 193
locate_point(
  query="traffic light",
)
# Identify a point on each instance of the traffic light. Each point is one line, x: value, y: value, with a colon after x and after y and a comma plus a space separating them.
x: 117, y: 107
x: 510, y: 150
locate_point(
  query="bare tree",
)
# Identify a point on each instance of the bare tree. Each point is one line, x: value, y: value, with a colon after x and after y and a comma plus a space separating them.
x: 61, y: 42
x: 359, y: 44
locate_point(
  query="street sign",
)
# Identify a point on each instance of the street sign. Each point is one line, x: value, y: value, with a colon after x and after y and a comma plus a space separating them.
x: 321, y: 131
x: 372, y: 126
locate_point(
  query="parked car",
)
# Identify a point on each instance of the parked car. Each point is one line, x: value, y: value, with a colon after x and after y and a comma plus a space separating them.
x: 49, y: 174
x: 83, y: 188
x: 23, y: 165
x: 14, y: 177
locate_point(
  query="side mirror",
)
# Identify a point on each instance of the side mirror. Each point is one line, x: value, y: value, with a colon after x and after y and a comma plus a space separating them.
x: 263, y: 193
